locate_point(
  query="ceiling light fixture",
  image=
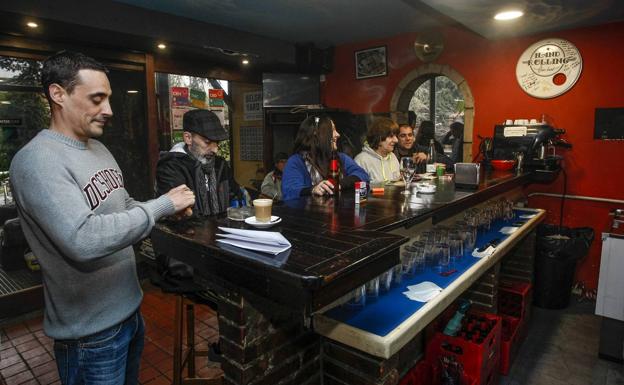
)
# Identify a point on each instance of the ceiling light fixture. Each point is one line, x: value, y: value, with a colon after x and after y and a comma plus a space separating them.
x: 508, y: 15
x: 162, y: 46
x: 5, y: 102
x: 32, y: 24
x: 245, y: 61
x: 132, y: 91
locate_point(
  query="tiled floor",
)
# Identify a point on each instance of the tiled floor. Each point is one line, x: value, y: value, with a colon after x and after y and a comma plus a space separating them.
x: 26, y: 355
x: 562, y: 349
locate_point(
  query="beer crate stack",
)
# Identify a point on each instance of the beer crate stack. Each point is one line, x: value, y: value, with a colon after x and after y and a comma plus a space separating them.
x: 514, y: 307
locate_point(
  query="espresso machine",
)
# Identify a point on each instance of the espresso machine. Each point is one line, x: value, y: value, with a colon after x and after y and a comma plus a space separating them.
x: 537, y: 143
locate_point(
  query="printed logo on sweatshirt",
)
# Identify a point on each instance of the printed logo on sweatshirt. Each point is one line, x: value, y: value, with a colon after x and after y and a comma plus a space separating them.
x: 101, y: 185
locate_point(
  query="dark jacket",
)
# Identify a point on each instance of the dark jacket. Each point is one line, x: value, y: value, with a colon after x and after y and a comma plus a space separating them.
x: 176, y: 167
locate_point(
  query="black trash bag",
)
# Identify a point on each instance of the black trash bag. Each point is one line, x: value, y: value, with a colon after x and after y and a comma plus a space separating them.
x: 558, y: 250
x: 564, y: 242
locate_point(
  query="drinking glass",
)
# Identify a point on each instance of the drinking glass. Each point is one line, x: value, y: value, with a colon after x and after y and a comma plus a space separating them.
x: 385, y: 281
x: 407, y: 172
x: 372, y: 289
x: 456, y: 247
x: 508, y: 212
x: 441, y: 234
x: 419, y: 257
x: 442, y: 254
x: 429, y: 255
x: 470, y: 237
x: 425, y: 236
x: 358, y: 298
x: 484, y: 220
x: 407, y: 260
x: 397, y: 275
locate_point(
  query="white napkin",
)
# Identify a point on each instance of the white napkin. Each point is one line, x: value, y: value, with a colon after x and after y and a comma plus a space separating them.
x: 508, y: 230
x: 265, y: 241
x: 485, y: 253
x: 423, y: 292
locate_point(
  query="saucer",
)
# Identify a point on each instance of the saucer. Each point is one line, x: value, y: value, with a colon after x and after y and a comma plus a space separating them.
x: 425, y: 188
x: 263, y: 225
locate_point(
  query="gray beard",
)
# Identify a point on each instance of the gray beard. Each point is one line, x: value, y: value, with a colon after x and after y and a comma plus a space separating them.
x: 201, y: 158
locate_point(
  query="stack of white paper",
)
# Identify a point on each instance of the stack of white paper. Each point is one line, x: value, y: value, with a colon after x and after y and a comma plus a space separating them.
x: 263, y: 241
x: 423, y: 292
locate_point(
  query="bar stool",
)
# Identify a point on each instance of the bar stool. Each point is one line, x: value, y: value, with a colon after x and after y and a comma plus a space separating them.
x: 185, y: 357
x: 187, y: 295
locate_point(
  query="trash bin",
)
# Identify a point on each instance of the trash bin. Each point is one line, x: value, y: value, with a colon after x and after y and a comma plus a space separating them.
x: 558, y: 250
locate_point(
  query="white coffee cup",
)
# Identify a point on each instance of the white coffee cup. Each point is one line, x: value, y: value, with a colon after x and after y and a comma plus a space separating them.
x: 262, y: 209
x: 508, y: 122
x: 533, y: 121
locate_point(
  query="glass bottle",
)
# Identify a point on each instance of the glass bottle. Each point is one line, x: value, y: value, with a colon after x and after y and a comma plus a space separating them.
x: 431, y: 157
x: 334, y: 171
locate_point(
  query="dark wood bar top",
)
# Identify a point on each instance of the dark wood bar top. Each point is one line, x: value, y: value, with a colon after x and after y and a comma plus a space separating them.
x: 335, y: 243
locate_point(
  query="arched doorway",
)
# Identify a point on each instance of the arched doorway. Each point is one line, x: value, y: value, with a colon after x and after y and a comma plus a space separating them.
x: 405, y: 91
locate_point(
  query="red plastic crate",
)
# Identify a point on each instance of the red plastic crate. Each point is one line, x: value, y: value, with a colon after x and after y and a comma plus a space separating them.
x: 435, y: 378
x: 419, y: 374
x: 478, y: 359
x: 514, y: 298
x: 510, y: 342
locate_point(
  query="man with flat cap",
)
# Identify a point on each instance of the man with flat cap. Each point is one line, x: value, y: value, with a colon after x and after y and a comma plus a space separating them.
x: 196, y: 164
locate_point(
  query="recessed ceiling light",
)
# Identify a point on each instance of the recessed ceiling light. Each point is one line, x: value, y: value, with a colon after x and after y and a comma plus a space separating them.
x: 508, y: 15
x: 245, y: 61
x: 5, y: 102
x: 132, y: 91
x: 162, y: 46
x: 32, y: 24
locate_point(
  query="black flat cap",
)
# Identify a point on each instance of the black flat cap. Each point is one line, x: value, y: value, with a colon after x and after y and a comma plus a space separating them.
x: 205, y: 123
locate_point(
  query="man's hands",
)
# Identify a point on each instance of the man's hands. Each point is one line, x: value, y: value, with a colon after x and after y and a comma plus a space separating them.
x: 324, y: 187
x: 183, y: 198
x: 420, y: 157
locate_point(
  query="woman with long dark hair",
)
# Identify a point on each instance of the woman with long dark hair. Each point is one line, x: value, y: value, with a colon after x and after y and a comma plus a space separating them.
x: 307, y: 170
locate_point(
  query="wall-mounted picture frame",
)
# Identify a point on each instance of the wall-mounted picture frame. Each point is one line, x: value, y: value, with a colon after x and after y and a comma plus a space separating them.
x: 371, y: 63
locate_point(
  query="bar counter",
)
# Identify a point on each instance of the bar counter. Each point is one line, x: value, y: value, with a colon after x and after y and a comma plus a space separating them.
x: 333, y: 240
x: 336, y: 246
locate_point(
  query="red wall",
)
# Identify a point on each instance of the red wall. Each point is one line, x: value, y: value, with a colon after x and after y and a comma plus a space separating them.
x: 593, y: 166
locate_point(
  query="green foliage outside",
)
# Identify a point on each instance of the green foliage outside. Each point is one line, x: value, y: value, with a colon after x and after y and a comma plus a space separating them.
x: 29, y: 106
x: 449, y: 104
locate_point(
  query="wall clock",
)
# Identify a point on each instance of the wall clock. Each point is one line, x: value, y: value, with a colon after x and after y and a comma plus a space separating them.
x: 549, y: 68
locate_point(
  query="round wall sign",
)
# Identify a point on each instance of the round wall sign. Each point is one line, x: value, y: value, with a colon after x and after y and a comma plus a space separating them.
x: 549, y: 68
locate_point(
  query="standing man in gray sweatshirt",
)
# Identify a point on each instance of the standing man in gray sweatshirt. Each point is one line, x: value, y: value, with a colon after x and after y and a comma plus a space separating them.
x: 81, y: 223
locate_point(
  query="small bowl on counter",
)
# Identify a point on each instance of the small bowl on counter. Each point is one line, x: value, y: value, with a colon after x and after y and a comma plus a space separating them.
x: 502, y: 165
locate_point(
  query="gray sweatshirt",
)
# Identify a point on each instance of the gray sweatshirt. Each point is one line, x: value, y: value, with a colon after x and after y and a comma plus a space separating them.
x: 80, y: 223
x: 380, y: 169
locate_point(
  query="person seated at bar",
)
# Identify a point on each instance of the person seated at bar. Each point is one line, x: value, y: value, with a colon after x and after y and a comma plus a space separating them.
x: 307, y: 170
x: 407, y: 146
x: 272, y: 183
x: 426, y: 132
x: 196, y: 164
x: 455, y: 137
x: 377, y: 156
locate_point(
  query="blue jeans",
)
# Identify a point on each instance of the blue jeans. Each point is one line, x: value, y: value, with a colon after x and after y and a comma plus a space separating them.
x: 110, y: 357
